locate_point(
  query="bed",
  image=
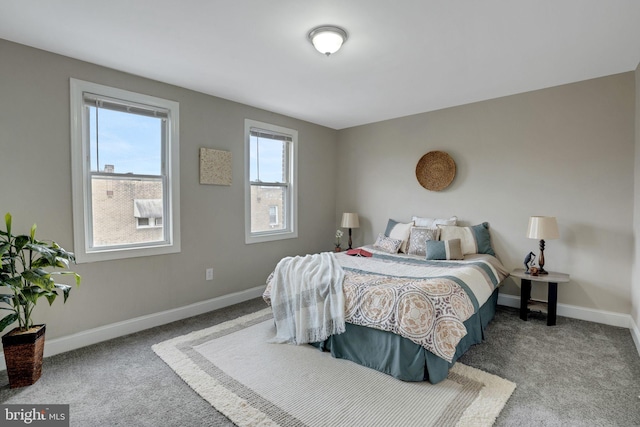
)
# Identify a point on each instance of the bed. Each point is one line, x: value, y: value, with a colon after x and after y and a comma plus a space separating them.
x: 410, y: 317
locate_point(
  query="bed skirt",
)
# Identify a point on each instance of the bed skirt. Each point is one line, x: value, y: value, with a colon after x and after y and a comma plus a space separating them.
x: 400, y: 357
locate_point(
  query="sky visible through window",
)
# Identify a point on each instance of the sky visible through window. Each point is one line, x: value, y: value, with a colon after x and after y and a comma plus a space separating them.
x: 130, y: 142
x: 269, y: 152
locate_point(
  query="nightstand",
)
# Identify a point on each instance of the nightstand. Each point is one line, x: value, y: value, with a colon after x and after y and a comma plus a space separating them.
x: 526, y: 304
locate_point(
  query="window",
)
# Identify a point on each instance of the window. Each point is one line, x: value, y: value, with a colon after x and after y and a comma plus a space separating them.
x: 270, y: 182
x: 148, y: 222
x: 125, y: 169
x: 273, y: 216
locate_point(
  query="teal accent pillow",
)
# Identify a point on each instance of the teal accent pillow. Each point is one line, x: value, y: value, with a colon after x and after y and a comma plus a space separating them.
x: 444, y: 249
x: 483, y: 239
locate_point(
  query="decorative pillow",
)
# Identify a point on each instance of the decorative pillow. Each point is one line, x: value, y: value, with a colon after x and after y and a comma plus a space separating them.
x: 419, y: 236
x: 400, y: 231
x: 434, y: 222
x: 443, y: 249
x: 475, y: 239
x: 387, y: 244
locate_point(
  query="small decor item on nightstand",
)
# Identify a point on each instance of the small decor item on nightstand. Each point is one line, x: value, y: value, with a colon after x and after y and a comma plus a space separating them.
x: 528, y: 261
x: 339, y: 234
x: 542, y: 227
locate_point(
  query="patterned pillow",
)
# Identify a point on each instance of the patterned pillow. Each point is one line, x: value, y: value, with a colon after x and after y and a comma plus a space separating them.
x: 434, y: 222
x: 443, y: 249
x: 387, y: 244
x: 418, y: 238
x: 400, y: 231
x: 474, y: 240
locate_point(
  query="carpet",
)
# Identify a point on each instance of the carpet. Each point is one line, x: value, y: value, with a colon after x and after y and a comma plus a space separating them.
x: 255, y: 383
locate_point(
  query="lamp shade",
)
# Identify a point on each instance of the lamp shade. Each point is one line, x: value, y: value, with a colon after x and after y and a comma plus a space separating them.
x: 543, y: 228
x: 327, y: 39
x: 350, y: 220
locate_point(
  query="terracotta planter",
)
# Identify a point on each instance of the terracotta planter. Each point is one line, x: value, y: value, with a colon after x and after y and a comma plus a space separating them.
x: 23, y: 355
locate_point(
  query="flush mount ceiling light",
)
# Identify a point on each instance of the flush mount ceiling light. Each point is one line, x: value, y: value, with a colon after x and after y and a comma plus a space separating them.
x: 327, y: 39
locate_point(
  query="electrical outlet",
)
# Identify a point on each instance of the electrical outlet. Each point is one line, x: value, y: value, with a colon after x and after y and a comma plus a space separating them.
x: 209, y: 274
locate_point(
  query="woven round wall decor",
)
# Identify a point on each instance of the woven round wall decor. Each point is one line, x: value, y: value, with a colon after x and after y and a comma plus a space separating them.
x: 436, y: 170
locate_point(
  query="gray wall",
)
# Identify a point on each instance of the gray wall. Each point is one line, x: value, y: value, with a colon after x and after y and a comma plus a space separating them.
x: 35, y: 167
x: 635, y: 283
x: 566, y: 151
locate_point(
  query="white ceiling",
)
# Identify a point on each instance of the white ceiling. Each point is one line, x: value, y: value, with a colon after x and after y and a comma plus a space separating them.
x: 403, y: 57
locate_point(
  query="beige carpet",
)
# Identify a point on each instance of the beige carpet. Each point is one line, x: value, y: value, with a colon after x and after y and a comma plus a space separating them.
x: 255, y: 383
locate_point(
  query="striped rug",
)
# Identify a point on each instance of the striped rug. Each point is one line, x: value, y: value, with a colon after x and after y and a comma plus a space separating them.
x: 255, y: 383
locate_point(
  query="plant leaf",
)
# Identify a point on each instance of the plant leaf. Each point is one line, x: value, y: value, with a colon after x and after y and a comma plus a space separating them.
x: 20, y: 242
x: 51, y: 296
x: 44, y: 250
x: 13, y: 282
x: 65, y: 290
x: 32, y: 294
x: 7, y: 221
x: 62, y: 262
x: 8, y: 319
x: 39, y: 278
x: 77, y: 277
x: 7, y: 299
x: 33, y: 231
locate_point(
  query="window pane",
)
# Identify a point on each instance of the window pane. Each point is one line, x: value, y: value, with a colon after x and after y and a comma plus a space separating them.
x: 273, y: 215
x: 113, y: 206
x: 266, y: 201
x: 267, y: 159
x: 124, y: 142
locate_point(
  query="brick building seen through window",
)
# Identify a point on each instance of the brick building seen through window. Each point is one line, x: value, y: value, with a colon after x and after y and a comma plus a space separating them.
x: 126, y: 211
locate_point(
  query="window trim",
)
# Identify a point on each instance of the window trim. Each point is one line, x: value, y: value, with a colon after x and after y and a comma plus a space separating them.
x: 291, y: 208
x: 81, y: 172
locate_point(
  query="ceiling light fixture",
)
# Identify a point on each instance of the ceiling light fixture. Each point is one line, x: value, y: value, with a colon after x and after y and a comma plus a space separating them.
x: 327, y: 39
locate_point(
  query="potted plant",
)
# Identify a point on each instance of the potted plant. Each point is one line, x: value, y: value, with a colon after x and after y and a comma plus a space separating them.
x: 25, y: 261
x: 339, y: 235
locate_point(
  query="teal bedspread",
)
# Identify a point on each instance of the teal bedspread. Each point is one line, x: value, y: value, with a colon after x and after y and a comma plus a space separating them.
x: 400, y: 357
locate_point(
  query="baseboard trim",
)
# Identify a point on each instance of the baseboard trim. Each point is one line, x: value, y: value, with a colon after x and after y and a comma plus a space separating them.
x: 635, y: 333
x: 575, y: 312
x: 118, y: 329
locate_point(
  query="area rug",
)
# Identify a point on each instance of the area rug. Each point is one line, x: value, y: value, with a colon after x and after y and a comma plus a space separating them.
x: 255, y: 383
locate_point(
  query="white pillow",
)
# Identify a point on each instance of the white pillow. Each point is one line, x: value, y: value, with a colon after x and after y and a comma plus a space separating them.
x: 434, y: 222
x: 400, y: 231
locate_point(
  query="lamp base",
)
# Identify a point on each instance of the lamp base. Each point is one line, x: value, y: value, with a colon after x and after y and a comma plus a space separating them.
x: 541, y: 269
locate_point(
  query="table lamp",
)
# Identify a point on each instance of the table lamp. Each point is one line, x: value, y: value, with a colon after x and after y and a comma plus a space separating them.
x: 542, y: 227
x: 350, y: 220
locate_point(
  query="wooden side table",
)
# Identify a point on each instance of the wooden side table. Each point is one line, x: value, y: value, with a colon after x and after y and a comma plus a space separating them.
x: 552, y: 279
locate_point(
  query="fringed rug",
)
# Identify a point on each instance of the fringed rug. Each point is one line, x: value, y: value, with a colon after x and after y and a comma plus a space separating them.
x: 255, y: 383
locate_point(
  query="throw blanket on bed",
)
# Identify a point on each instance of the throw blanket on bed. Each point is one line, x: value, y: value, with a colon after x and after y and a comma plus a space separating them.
x: 307, y: 298
x: 424, y: 301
